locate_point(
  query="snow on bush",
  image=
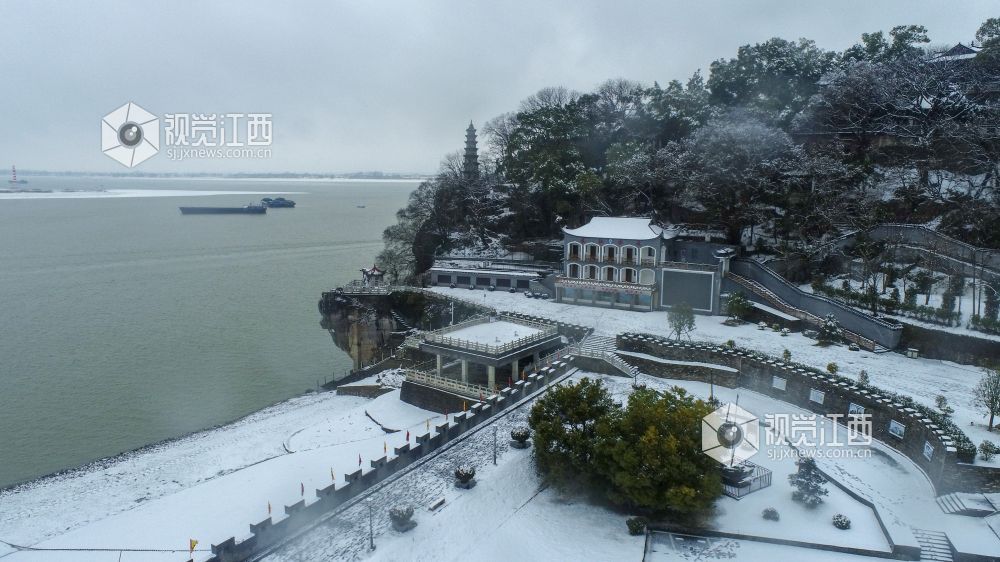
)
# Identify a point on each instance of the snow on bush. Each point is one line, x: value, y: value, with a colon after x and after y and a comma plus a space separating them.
x: 401, y: 513
x: 465, y: 473
x: 841, y: 522
x: 520, y: 435
x: 770, y: 514
x: 636, y: 525
x: 988, y: 450
x: 401, y: 517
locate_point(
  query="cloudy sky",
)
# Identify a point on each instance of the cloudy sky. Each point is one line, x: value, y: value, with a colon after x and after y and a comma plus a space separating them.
x: 373, y: 85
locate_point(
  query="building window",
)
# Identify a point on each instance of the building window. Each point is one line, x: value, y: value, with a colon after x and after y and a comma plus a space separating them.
x: 629, y: 255
x: 591, y: 272
x: 647, y: 277
x: 855, y: 409
x: 778, y: 382
x: 574, y: 271
x: 522, y: 283
x: 928, y: 450
x: 816, y: 396
x: 444, y: 278
x: 628, y: 275
x: 503, y: 282
x: 463, y: 280
x: 648, y: 255
x: 610, y: 253
x: 593, y: 252
x: 609, y: 274
x: 482, y: 280
x: 896, y: 429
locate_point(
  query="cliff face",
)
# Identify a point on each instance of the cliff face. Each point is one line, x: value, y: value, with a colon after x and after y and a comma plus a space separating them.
x: 369, y: 327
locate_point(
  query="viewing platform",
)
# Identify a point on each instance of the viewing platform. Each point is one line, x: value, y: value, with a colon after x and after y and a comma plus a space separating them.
x: 491, y: 342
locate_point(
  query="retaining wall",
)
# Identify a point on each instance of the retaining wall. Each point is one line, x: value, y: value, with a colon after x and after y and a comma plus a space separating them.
x: 759, y: 372
x: 880, y: 331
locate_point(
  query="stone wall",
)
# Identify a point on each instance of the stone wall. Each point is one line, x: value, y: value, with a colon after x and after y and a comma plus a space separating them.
x: 363, y: 390
x: 939, y: 344
x: 757, y: 372
x: 302, y: 514
x: 720, y: 375
x: 433, y: 399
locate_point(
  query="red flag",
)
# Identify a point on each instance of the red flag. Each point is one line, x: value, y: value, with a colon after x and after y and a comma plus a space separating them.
x: 269, y: 508
x: 407, y: 435
x: 385, y: 447
x: 359, y: 460
x: 303, y: 484
x: 510, y: 381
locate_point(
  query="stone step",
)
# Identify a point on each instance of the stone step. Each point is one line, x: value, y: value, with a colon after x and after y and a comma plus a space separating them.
x: 934, y: 545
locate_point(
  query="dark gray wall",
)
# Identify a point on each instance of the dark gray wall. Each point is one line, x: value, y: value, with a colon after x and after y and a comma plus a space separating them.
x: 885, y: 333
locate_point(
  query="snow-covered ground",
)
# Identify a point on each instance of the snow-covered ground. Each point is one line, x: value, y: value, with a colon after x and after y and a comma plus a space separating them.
x: 211, y: 485
x: 500, y: 332
x: 921, y: 378
x: 208, y: 486
x: 900, y: 490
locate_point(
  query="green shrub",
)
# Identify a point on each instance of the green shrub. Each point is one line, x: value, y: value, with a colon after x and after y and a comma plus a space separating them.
x: 636, y: 525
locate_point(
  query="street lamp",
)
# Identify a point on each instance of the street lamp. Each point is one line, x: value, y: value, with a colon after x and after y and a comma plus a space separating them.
x: 371, y: 527
x: 494, y: 445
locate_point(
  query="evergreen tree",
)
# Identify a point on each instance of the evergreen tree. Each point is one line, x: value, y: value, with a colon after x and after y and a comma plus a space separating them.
x: 829, y: 331
x: 651, y: 455
x: 565, y: 422
x: 808, y: 483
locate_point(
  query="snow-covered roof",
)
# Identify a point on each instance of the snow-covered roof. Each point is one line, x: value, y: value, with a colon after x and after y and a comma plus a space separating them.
x: 958, y: 52
x: 624, y: 228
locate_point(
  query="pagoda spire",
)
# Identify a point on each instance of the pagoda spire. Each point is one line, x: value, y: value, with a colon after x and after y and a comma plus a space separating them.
x: 471, y: 167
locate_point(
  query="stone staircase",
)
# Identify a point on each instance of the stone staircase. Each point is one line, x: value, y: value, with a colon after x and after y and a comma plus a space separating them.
x: 598, y: 344
x: 604, y: 347
x: 934, y: 545
x: 778, y: 303
x: 958, y: 503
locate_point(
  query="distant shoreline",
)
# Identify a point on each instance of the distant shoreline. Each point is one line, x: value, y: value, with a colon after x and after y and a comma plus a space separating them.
x: 238, y: 177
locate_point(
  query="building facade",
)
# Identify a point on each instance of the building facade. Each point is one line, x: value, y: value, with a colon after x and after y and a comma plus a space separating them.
x: 633, y: 264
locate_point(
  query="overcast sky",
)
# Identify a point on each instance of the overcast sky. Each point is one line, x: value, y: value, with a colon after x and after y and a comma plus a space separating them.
x: 373, y: 85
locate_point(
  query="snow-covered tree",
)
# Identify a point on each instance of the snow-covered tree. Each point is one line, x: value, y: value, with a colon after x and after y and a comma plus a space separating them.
x: 830, y: 331
x: 680, y: 317
x: 808, y: 483
x: 987, y: 394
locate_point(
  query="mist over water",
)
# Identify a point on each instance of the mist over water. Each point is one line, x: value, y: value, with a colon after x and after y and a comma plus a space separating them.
x: 123, y: 322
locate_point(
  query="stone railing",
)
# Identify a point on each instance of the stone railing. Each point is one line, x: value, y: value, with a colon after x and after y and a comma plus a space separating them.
x: 690, y: 266
x: 598, y: 284
x: 545, y: 331
x: 474, y: 391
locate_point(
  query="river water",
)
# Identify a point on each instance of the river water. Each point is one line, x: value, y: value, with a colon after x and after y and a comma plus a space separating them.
x: 123, y: 323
